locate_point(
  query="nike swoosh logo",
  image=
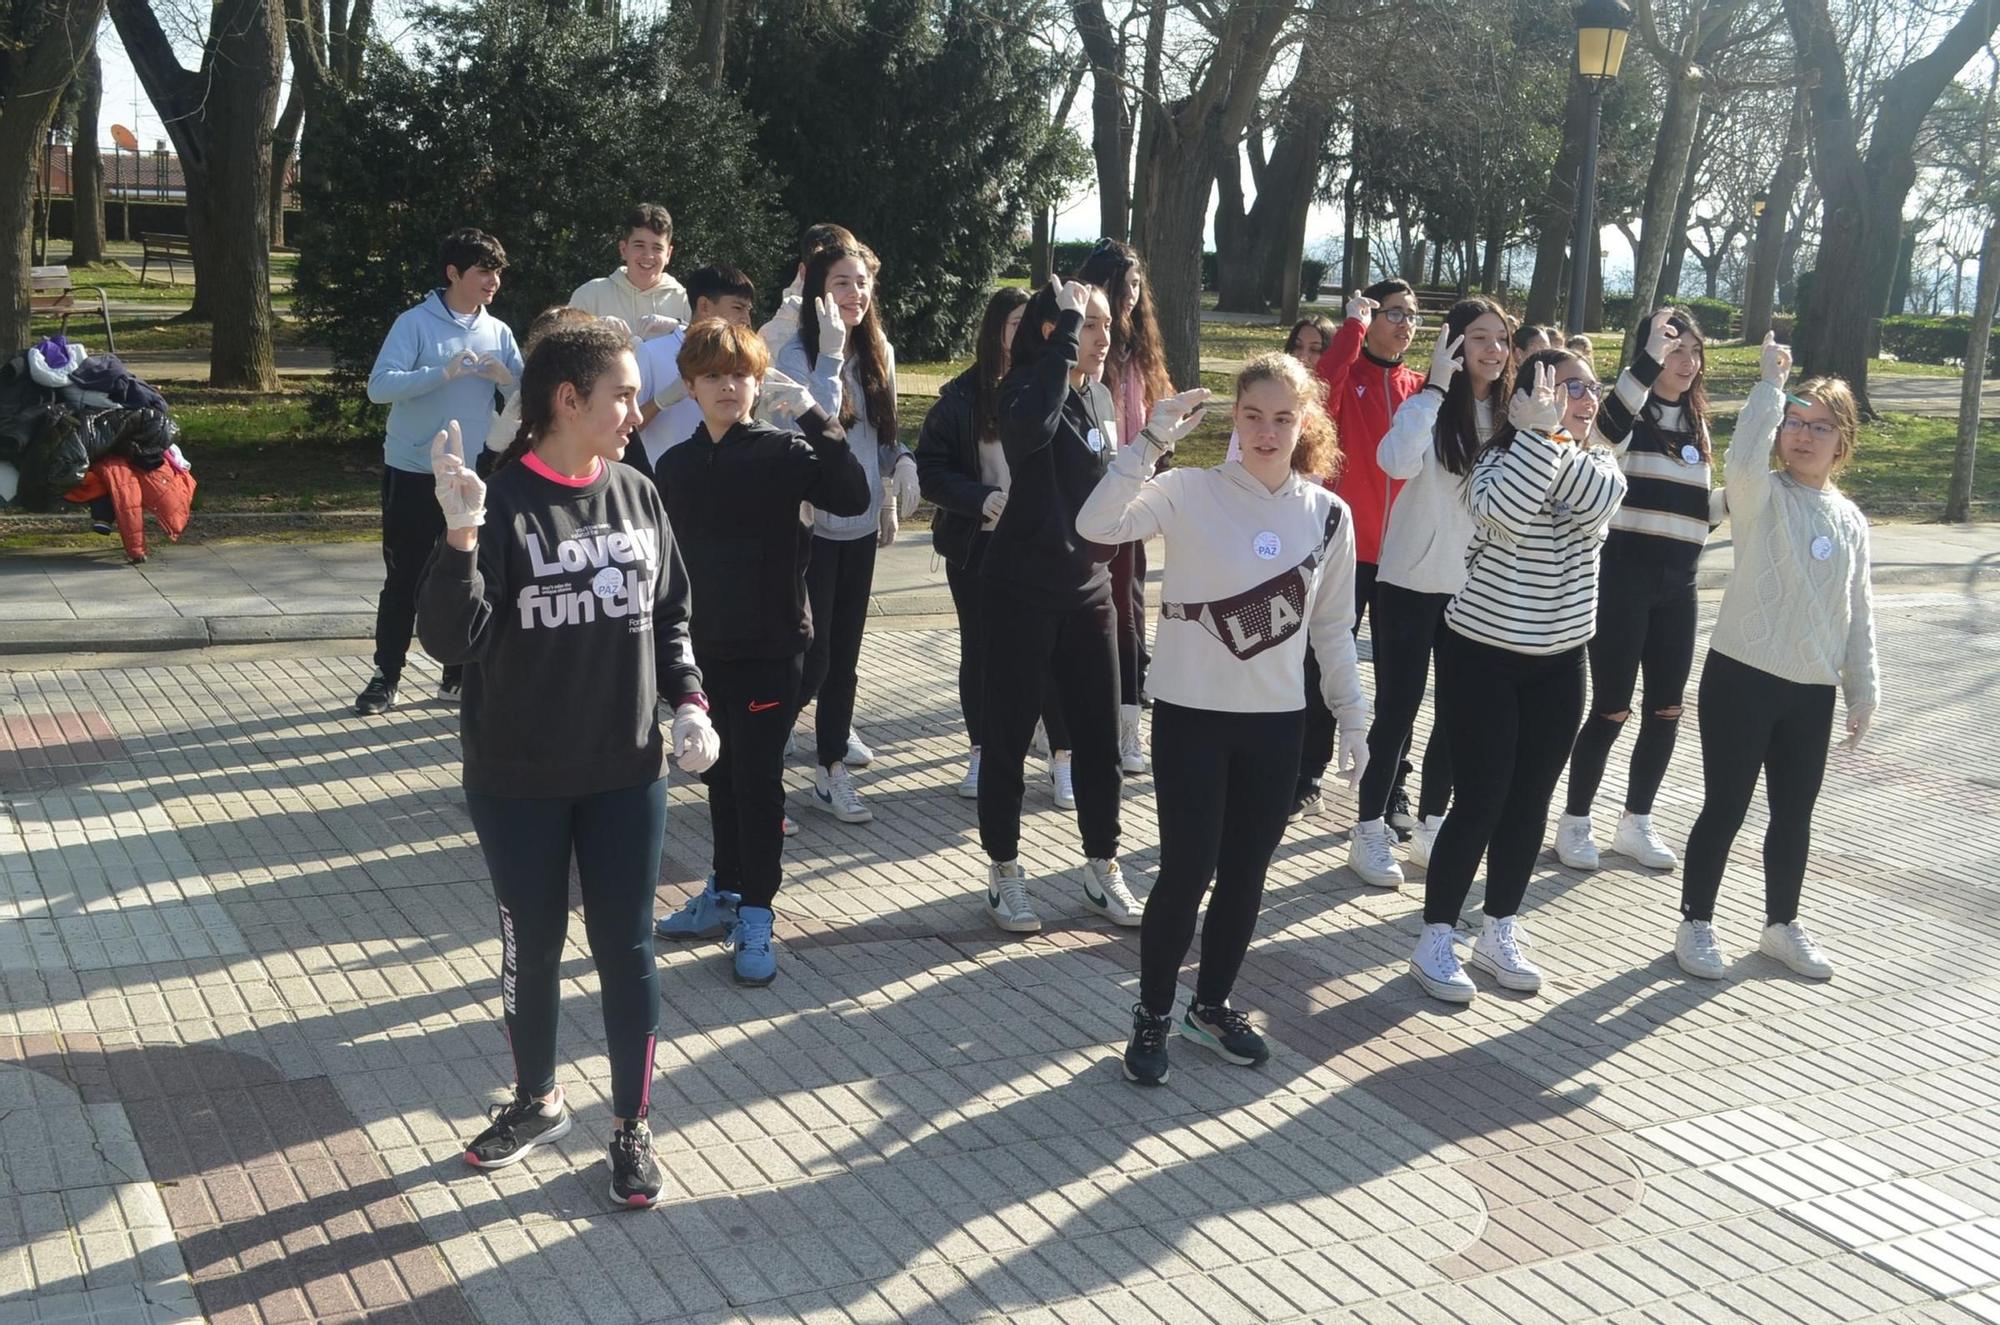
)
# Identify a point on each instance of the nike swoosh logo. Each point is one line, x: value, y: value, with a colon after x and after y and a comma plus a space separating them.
x: 1096, y: 899
x: 992, y: 898
x: 764, y: 707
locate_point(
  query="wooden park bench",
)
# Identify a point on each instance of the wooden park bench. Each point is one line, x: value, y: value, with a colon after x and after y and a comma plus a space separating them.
x: 166, y: 248
x: 53, y: 294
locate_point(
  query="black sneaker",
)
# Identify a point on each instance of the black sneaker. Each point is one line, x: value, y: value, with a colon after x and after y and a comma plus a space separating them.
x: 378, y: 696
x: 517, y: 1128
x: 635, y: 1178
x: 1227, y: 1033
x: 1399, y: 816
x: 1308, y: 801
x: 1146, y: 1055
x: 451, y: 685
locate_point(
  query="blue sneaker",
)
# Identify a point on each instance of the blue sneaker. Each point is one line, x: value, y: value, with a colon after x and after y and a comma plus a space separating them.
x: 708, y: 915
x: 756, y: 963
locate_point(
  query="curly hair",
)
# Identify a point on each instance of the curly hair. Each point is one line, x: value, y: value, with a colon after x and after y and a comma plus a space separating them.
x: 1317, y: 453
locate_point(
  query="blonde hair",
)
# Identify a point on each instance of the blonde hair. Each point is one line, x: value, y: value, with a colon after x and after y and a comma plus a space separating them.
x: 1838, y: 397
x: 1318, y: 449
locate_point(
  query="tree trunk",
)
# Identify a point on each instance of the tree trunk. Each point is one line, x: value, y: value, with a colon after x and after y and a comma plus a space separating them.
x: 1041, y: 252
x: 1899, y: 281
x: 1760, y: 297
x: 284, y: 147
x: 1663, y: 186
x: 1556, y: 215
x: 1347, y: 272
x: 1176, y: 206
x: 1862, y: 199
x: 1237, y: 269
x: 711, y: 42
x: 1958, y: 501
x: 1152, y: 119
x: 1677, y: 245
x: 1496, y: 243
x: 1110, y: 118
x: 86, y: 166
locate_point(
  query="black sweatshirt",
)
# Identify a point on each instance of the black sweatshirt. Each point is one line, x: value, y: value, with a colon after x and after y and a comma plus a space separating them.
x: 948, y: 467
x: 735, y: 506
x: 573, y: 613
x: 1046, y: 429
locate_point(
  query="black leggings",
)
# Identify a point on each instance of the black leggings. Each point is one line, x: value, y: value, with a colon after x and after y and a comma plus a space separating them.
x: 1752, y: 720
x: 1025, y: 646
x: 1224, y: 783
x: 1510, y: 718
x: 838, y: 580
x: 615, y: 837
x: 1645, y: 626
x: 412, y: 523
x: 1409, y: 628
x: 965, y: 598
x: 750, y: 705
x: 1128, y: 599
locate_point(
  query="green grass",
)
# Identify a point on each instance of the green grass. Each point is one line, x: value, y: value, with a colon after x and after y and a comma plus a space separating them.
x: 1902, y: 465
x: 163, y: 333
x: 260, y: 452
x: 119, y: 277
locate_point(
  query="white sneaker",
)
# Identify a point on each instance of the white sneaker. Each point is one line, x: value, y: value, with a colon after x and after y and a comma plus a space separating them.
x: 1104, y: 892
x: 1423, y: 838
x: 1369, y: 855
x: 1636, y: 838
x: 858, y: 755
x: 1007, y: 898
x: 835, y: 793
x: 792, y: 744
x: 1790, y: 944
x: 969, y: 788
x: 1131, y: 749
x: 1575, y: 847
x: 1435, y: 967
x: 788, y: 826
x: 1697, y: 952
x: 1040, y: 745
x: 1062, y: 780
x: 1498, y: 953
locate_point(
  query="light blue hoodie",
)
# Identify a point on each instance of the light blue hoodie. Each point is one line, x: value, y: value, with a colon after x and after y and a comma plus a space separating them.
x: 829, y: 381
x: 408, y: 377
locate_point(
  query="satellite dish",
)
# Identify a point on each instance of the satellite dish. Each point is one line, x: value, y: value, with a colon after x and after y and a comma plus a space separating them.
x: 124, y: 138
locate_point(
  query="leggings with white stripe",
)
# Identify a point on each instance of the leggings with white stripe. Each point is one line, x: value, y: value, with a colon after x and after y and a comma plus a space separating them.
x: 616, y: 838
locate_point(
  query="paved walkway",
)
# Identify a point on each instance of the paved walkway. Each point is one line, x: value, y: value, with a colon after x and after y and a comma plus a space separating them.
x: 227, y: 592
x: 249, y: 1014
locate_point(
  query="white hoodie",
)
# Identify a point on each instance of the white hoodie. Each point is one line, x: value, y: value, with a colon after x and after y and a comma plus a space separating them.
x: 616, y: 296
x: 1227, y: 534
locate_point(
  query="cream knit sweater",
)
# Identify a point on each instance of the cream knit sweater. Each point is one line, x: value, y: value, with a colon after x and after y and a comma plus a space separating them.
x: 1789, y: 610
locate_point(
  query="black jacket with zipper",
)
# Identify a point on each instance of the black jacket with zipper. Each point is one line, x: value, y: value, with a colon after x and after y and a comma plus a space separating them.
x: 734, y: 506
x: 948, y: 467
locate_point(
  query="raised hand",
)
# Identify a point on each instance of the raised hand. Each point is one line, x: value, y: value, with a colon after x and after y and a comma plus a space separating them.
x: 1660, y: 333
x: 1445, y: 361
x: 460, y: 493
x: 1534, y: 407
x: 788, y: 399
x: 1360, y: 308
x: 1176, y: 416
x: 1775, y: 360
x: 1071, y: 296
x: 832, y: 327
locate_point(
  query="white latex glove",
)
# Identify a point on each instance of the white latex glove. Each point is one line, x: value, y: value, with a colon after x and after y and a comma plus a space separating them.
x: 788, y: 399
x: 1660, y: 333
x: 654, y: 324
x: 612, y: 319
x: 996, y: 502
x: 806, y: 514
x: 462, y: 364
x: 697, y: 745
x: 1534, y: 408
x: 1360, y: 308
x: 832, y: 328
x: 885, y: 528
x: 1775, y: 360
x: 1352, y: 754
x: 493, y: 370
x: 460, y: 493
x: 903, y: 482
x: 1445, y: 360
x: 1174, y: 418
x: 1071, y: 296
x: 672, y: 393
x: 1858, y: 723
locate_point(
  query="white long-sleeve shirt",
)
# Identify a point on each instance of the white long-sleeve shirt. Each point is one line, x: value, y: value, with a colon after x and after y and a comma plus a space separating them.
x: 1230, y: 537
x: 1798, y: 604
x: 1423, y: 548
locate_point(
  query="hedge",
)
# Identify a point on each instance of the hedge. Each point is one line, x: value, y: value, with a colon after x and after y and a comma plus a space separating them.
x: 1715, y: 315
x: 1934, y: 340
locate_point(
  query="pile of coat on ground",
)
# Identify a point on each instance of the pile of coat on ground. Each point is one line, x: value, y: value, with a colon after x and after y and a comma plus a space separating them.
x: 82, y: 428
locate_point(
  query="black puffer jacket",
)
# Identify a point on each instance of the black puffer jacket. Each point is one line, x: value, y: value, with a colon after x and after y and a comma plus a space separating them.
x: 948, y: 468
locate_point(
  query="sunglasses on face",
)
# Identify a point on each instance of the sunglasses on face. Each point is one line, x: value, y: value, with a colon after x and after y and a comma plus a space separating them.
x: 1821, y: 432
x: 1397, y: 317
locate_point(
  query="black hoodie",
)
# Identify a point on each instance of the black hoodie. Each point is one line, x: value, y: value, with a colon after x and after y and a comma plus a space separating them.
x: 948, y: 467
x: 1047, y: 428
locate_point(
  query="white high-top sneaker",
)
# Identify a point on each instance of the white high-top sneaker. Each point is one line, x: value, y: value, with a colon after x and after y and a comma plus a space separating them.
x: 1498, y: 953
x: 1697, y: 952
x: 1131, y: 746
x: 1575, y: 847
x: 1435, y: 966
x: 969, y: 787
x: 1424, y: 839
x: 1370, y: 857
x: 1636, y: 838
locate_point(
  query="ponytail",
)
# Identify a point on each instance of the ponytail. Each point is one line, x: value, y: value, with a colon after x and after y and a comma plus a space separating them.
x: 577, y: 354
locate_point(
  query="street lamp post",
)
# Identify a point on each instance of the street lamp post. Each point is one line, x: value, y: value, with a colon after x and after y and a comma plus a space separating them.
x: 1601, y: 30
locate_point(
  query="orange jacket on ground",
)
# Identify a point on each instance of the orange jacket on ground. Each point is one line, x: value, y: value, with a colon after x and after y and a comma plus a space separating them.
x: 168, y: 494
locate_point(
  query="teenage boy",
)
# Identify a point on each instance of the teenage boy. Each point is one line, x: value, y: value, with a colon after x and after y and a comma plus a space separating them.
x: 441, y: 364
x: 784, y: 323
x: 669, y: 413
x: 640, y: 294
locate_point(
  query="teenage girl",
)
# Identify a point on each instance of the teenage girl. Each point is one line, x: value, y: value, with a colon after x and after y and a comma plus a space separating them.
x: 1309, y: 339
x: 1510, y: 665
x: 1796, y: 621
x: 561, y: 586
x: 1432, y: 444
x: 1658, y: 418
x: 507, y: 419
x: 1260, y: 563
x: 963, y: 470
x: 1136, y: 372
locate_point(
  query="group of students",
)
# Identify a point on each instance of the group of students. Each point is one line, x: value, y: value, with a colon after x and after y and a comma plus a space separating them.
x: 675, y: 516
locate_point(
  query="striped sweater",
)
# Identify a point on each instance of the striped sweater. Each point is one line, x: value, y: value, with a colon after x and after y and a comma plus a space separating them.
x: 1669, y: 505
x: 1539, y: 509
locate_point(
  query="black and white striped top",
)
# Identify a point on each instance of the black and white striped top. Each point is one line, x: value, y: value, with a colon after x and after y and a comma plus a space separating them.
x: 1667, y: 508
x: 1539, y: 510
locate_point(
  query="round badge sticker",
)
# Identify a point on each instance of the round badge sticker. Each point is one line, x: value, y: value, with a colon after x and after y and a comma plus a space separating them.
x: 1690, y: 454
x: 1822, y: 548
x: 1562, y: 509
x: 608, y: 583
x: 1094, y: 440
x: 1266, y: 545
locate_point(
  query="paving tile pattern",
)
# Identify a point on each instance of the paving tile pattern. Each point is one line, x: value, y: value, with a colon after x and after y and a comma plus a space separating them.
x: 250, y: 945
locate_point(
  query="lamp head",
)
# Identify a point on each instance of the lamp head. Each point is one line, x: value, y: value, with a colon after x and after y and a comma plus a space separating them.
x: 1602, y: 27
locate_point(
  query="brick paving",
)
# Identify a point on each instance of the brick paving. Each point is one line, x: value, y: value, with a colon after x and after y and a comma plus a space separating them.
x: 249, y: 1014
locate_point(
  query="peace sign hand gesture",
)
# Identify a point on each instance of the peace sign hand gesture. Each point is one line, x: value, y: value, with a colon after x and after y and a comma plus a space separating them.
x: 460, y: 493
x: 1445, y: 363
x: 1534, y: 408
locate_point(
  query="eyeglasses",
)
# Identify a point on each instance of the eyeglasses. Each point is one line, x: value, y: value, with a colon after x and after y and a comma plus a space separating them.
x: 1399, y: 316
x: 1821, y: 432
x: 1578, y: 388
